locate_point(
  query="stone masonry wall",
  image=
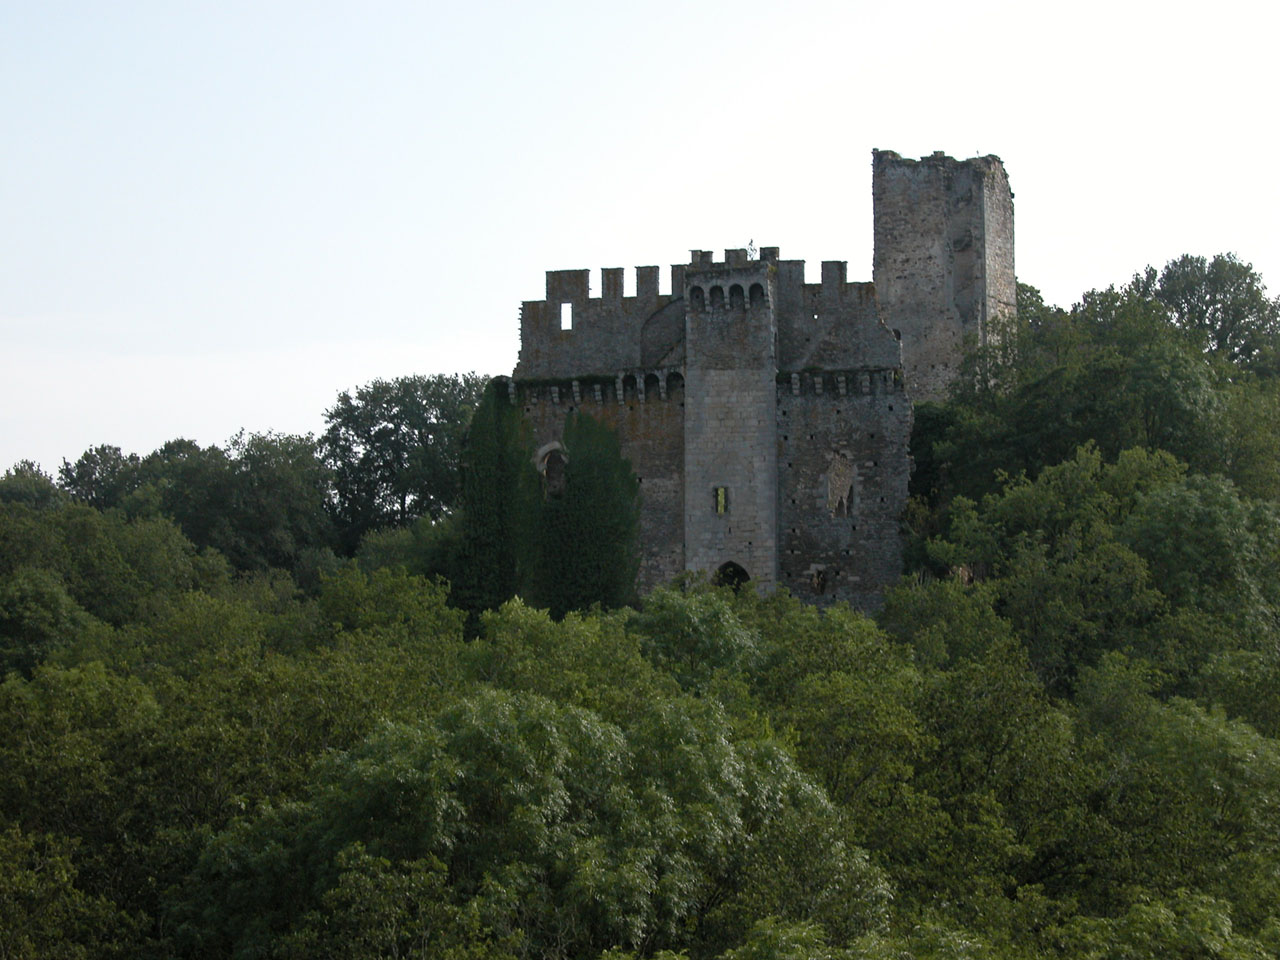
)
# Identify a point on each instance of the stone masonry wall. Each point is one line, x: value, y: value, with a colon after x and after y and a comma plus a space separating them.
x: 842, y: 470
x: 943, y: 258
x: 730, y: 443
x: 1002, y: 284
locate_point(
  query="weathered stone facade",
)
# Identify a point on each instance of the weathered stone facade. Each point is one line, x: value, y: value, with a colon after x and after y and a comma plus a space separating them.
x: 768, y: 418
x: 943, y: 259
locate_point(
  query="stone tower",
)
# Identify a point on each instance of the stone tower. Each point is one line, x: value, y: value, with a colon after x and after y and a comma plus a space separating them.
x: 943, y: 260
x: 730, y: 429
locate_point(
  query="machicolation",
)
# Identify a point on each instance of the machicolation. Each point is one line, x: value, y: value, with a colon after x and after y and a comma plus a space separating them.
x: 768, y: 418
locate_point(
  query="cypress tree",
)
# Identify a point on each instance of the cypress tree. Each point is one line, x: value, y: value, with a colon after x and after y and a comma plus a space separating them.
x: 495, y: 457
x: 579, y: 537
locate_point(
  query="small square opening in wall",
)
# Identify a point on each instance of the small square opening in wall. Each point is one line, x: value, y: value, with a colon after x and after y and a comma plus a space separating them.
x: 722, y: 499
x: 566, y: 316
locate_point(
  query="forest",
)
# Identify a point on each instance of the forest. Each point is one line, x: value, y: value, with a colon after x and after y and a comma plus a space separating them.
x: 317, y: 697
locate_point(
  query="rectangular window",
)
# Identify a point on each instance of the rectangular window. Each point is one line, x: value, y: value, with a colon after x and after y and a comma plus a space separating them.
x: 722, y: 499
x: 566, y: 316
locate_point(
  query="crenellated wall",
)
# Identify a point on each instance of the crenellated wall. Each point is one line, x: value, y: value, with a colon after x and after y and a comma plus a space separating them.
x: 604, y: 334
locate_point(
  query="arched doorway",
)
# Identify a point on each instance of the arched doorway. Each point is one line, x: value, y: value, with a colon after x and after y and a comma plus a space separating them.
x: 730, y: 575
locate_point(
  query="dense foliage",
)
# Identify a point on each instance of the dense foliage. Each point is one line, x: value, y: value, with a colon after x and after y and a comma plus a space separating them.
x: 394, y: 449
x: 1059, y: 738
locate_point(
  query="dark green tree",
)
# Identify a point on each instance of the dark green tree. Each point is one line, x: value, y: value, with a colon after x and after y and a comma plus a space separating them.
x: 42, y: 913
x: 579, y: 535
x: 394, y: 448
x: 37, y: 616
x: 556, y: 830
x: 261, y: 500
x: 478, y: 551
x: 1115, y: 371
x: 102, y: 477
x: 695, y: 635
x: 112, y: 567
x: 1223, y: 302
x: 280, y: 487
x: 26, y: 483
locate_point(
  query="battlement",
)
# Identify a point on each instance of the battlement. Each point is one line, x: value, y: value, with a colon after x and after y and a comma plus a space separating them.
x: 574, y: 286
x: 833, y: 322
x: 735, y: 258
x: 838, y: 384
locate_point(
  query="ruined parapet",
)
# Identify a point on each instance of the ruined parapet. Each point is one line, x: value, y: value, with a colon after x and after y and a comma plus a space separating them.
x: 944, y: 275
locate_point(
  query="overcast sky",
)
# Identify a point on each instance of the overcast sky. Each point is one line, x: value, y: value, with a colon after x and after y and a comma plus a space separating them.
x: 218, y: 215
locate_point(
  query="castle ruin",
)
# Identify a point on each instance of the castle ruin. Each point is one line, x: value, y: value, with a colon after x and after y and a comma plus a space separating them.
x: 768, y: 419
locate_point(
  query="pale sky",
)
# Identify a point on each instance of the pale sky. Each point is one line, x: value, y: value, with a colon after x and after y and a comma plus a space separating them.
x: 218, y: 215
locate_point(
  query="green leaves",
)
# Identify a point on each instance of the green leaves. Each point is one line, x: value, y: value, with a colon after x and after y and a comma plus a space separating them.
x: 42, y: 913
x: 562, y: 542
x: 558, y: 832
x: 1170, y: 362
x: 394, y: 448
x: 695, y: 635
x: 1224, y: 303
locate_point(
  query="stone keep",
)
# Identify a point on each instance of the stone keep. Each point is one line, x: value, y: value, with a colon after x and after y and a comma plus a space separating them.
x: 768, y: 419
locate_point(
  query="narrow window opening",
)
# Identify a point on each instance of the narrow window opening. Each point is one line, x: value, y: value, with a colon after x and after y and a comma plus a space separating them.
x: 566, y: 316
x: 818, y: 581
x: 841, y: 478
x: 722, y: 500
